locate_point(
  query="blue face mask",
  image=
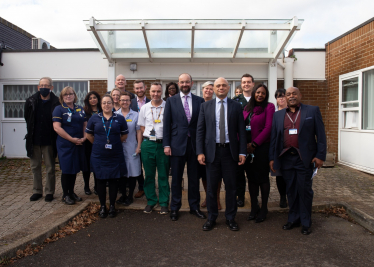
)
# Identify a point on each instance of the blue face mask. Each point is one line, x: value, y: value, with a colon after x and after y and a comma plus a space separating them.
x: 44, y: 91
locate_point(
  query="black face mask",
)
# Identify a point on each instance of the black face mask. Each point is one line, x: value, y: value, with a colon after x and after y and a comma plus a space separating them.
x: 44, y: 91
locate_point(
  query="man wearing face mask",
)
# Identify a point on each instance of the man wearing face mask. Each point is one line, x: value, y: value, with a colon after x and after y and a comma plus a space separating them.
x: 41, y: 138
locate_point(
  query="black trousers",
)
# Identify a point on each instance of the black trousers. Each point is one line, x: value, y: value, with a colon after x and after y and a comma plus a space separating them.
x: 177, y: 168
x: 240, y: 182
x: 299, y: 188
x: 68, y: 183
x: 113, y: 189
x: 224, y: 167
x: 131, y: 182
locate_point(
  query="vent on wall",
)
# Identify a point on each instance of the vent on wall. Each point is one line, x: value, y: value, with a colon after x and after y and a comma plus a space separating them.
x: 39, y: 43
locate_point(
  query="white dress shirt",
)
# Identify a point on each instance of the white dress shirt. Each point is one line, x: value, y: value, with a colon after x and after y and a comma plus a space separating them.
x: 218, y: 109
x: 148, y: 121
x: 189, y: 101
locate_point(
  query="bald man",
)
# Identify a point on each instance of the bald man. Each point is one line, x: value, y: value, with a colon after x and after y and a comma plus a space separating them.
x: 221, y: 146
x: 120, y: 83
x: 297, y: 147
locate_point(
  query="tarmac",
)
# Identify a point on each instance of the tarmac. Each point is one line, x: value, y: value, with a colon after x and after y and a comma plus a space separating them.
x: 23, y: 222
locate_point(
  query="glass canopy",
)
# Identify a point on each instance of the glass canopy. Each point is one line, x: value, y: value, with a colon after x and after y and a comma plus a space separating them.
x: 155, y: 40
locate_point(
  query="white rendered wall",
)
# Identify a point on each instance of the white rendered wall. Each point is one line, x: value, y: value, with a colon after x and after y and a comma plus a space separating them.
x: 310, y: 65
x: 57, y: 65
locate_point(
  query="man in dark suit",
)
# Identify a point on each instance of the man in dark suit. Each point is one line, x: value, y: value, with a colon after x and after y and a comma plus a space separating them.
x: 297, y: 147
x: 136, y: 104
x: 221, y: 146
x: 180, y: 122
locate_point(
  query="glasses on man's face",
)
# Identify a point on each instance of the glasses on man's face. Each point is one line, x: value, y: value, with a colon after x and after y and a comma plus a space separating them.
x: 45, y: 86
x: 125, y: 100
x: 106, y: 103
x: 68, y: 94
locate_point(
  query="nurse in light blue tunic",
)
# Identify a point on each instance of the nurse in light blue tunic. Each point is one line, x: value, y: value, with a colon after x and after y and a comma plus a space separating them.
x: 131, y: 149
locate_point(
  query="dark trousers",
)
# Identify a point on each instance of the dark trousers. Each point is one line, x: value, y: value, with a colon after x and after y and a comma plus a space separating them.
x: 281, y: 185
x: 140, y: 178
x: 224, y: 167
x: 113, y: 189
x: 299, y: 188
x: 131, y: 182
x: 68, y: 183
x: 177, y: 168
x: 240, y: 182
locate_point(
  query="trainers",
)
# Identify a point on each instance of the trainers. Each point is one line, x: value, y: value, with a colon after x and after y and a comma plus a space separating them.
x: 164, y: 210
x: 48, y: 198
x: 148, y: 208
x: 35, y: 197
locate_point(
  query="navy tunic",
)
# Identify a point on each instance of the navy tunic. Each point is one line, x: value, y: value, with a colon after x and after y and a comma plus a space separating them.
x: 107, y: 163
x: 71, y: 156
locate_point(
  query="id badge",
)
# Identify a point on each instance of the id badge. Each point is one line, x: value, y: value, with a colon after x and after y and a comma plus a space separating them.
x: 157, y: 121
x: 69, y: 117
x: 108, y: 146
x: 248, y: 127
x: 292, y: 131
x: 152, y: 135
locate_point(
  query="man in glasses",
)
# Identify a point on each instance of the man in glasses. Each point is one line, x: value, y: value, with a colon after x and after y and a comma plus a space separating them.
x: 41, y: 138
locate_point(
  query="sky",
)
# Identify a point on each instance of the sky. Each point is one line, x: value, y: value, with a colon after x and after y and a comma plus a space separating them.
x: 61, y: 22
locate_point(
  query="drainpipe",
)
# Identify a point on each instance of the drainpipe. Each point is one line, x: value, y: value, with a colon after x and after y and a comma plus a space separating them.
x: 288, y: 72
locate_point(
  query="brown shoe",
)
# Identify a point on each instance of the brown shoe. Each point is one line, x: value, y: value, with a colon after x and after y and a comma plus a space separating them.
x: 203, y: 205
x: 139, y: 194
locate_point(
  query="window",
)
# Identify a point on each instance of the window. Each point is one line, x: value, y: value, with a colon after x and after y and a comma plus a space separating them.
x: 16, y: 95
x: 350, y: 103
x: 368, y: 100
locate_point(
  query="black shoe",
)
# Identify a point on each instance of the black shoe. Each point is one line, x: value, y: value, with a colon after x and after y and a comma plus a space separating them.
x: 103, y: 213
x: 240, y: 202
x: 35, y: 197
x: 128, y: 202
x: 305, y: 230
x: 48, y: 198
x: 253, y: 213
x: 121, y: 200
x: 208, y: 225
x: 112, y: 212
x: 198, y: 213
x: 174, y: 215
x: 290, y: 225
x: 69, y: 201
x: 261, y: 216
x: 283, y: 202
x: 75, y: 197
x: 148, y: 208
x: 164, y: 210
x: 232, y: 225
x: 87, y: 191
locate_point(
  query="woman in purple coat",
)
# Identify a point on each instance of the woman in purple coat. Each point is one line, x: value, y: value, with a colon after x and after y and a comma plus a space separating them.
x: 258, y: 116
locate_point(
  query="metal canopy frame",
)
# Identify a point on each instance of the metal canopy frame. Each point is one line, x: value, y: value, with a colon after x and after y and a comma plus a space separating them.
x: 280, y: 34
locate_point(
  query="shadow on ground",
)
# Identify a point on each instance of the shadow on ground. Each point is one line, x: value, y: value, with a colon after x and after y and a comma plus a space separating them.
x: 137, y: 239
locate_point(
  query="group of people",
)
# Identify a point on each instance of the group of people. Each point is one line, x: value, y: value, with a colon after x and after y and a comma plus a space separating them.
x: 221, y: 139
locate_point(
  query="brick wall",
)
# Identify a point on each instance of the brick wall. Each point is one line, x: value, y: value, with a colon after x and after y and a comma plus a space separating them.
x: 352, y: 52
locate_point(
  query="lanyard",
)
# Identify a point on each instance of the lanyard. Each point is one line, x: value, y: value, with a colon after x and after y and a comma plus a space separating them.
x: 110, y: 126
x: 70, y: 110
x: 293, y: 123
x: 158, y: 117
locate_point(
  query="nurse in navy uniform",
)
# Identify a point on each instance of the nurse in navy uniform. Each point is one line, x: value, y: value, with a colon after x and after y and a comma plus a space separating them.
x: 106, y: 131
x: 69, y: 122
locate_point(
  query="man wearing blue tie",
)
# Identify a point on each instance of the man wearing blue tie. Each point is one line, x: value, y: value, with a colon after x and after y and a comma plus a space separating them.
x: 221, y: 146
x: 180, y: 123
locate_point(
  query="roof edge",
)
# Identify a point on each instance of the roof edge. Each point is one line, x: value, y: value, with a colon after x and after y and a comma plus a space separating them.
x: 53, y: 50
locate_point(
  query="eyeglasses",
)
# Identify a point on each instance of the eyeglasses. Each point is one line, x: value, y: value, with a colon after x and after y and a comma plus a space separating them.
x: 106, y: 103
x: 125, y: 100
x: 45, y: 86
x: 68, y: 94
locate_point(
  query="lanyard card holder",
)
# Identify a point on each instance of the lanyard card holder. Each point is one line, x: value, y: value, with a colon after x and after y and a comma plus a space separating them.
x: 108, y: 146
x: 69, y: 117
x: 152, y: 135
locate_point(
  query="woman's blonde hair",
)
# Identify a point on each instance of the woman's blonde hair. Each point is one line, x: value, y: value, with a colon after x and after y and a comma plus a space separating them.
x: 63, y: 92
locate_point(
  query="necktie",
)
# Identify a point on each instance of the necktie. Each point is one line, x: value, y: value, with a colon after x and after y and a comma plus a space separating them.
x: 222, y: 138
x: 187, y: 109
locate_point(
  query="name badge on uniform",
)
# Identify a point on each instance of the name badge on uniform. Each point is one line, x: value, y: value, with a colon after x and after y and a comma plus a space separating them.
x: 157, y: 121
x: 69, y: 117
x: 248, y: 127
x: 129, y: 120
x: 292, y: 131
x: 108, y: 146
x: 152, y: 135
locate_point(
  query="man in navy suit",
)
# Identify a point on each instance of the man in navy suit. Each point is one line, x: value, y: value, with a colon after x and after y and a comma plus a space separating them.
x: 136, y: 103
x: 221, y: 146
x: 297, y: 147
x: 180, y: 122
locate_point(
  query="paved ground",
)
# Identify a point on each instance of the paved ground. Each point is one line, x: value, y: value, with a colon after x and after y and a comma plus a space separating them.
x: 19, y: 217
x: 138, y: 239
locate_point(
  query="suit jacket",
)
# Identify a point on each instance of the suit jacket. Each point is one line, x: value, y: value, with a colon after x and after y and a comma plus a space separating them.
x: 134, y: 104
x: 206, y: 130
x: 176, y: 127
x: 311, y: 136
